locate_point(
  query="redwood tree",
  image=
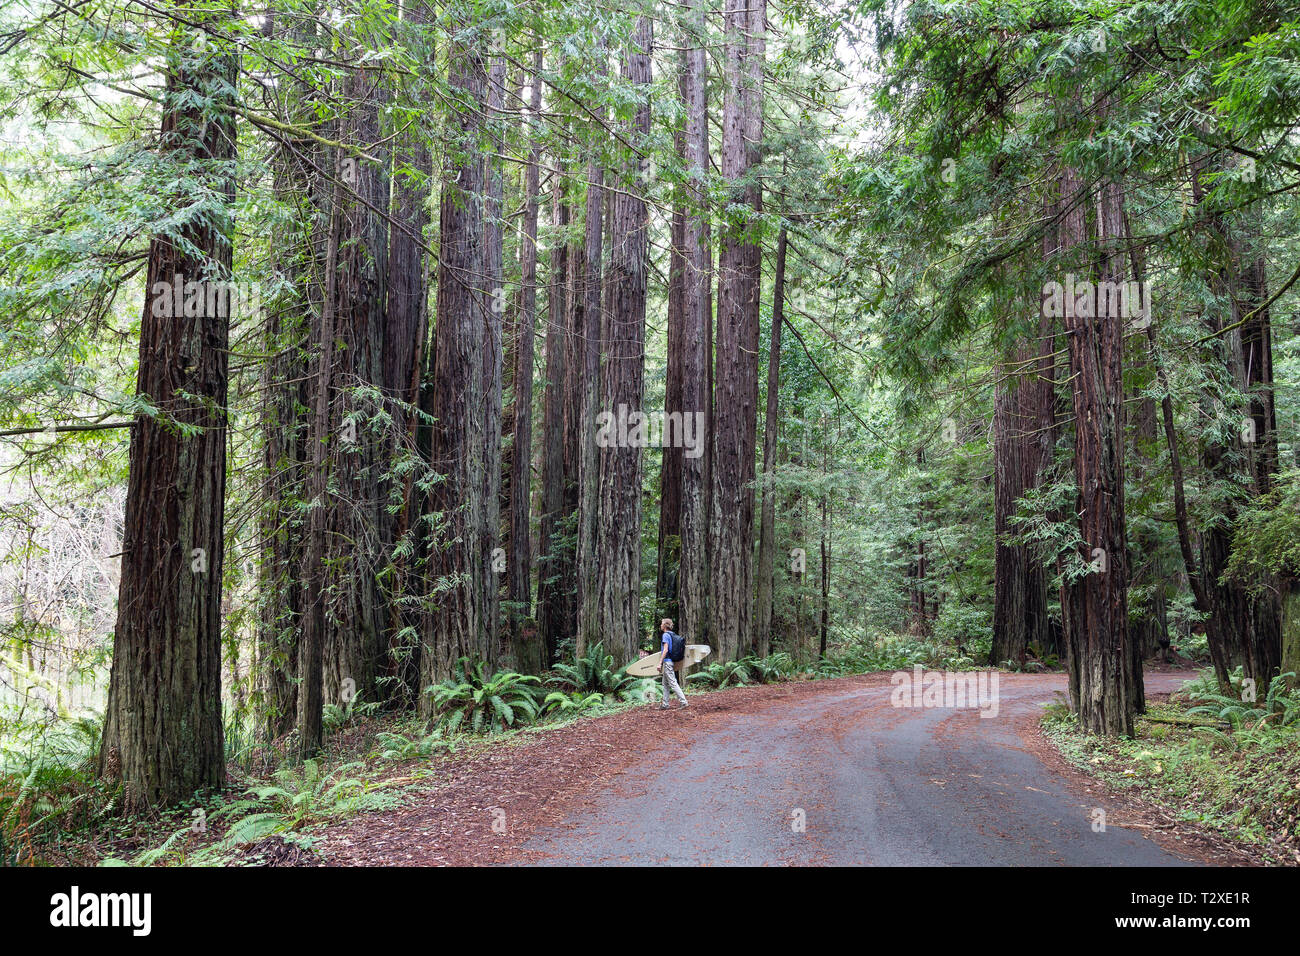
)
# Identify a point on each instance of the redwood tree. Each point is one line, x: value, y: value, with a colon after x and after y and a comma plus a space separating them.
x: 735, y: 398
x: 619, y: 520
x: 457, y: 626
x: 162, y: 735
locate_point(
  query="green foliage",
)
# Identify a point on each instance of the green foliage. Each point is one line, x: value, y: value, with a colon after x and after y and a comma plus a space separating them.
x: 335, y: 717
x: 395, y: 746
x: 304, y: 795
x: 594, y: 672
x: 1277, y: 709
x: 1267, y: 539
x: 48, y: 785
x: 473, y: 702
x: 721, y: 674
x: 572, y: 703
x: 770, y: 670
x: 1239, y: 780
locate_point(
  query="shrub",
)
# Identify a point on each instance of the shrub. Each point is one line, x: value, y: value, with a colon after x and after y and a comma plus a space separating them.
x: 480, y: 704
x: 571, y: 704
x: 593, y: 673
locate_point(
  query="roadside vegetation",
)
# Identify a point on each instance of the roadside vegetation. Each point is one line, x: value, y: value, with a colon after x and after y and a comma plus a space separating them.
x: 1207, y: 756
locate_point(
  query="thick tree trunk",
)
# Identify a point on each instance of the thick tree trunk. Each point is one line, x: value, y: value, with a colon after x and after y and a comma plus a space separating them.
x: 1105, y: 690
x: 355, y: 645
x: 458, y: 626
x: 767, y: 519
x: 619, y: 521
x: 555, y: 574
x: 731, y: 521
x: 695, y: 345
x: 669, y: 549
x: 405, y: 341
x: 162, y: 729
x: 492, y: 567
x: 1022, y: 434
x: 589, y: 327
x: 1242, y: 628
x: 527, y: 650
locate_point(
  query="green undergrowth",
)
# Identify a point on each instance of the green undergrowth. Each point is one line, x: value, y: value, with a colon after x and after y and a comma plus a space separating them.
x: 1207, y: 757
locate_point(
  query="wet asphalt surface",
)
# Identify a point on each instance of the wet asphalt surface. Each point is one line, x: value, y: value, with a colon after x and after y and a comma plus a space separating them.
x: 844, y: 778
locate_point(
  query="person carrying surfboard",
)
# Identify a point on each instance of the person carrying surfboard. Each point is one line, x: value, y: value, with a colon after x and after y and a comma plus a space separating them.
x: 674, y: 649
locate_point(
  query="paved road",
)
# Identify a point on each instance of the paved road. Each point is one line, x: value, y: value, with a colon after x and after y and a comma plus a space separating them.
x: 873, y: 784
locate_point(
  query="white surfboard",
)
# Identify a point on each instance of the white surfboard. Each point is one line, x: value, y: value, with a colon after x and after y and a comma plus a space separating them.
x: 649, y: 666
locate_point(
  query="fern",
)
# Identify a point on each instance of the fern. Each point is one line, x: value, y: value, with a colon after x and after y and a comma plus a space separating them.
x: 482, y: 704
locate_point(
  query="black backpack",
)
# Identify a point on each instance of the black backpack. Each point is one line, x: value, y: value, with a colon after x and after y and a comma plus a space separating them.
x: 676, y: 648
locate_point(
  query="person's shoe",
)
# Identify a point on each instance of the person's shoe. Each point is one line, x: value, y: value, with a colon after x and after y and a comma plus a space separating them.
x: 663, y: 706
x: 684, y: 704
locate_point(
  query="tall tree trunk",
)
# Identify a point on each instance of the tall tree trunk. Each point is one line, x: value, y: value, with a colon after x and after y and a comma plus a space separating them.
x: 286, y: 452
x: 493, y: 310
x: 589, y: 326
x: 825, y: 624
x: 162, y: 729
x: 523, y: 636
x: 458, y: 625
x: 1149, y: 569
x: 767, y: 519
x: 1022, y: 434
x: 1242, y: 628
x: 731, y: 521
x: 555, y: 575
x: 406, y: 324
x: 669, y: 550
x: 619, y: 520
x: 311, y: 655
x: 1105, y: 691
x: 696, y: 348
x: 355, y: 646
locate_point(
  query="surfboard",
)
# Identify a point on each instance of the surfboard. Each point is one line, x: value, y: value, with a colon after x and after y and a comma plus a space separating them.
x: 649, y: 666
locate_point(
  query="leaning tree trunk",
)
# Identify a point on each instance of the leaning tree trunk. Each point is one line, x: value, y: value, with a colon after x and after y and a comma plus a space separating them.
x: 162, y: 727
x: 619, y: 522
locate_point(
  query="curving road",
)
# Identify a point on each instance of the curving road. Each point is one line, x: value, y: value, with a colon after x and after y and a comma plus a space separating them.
x: 872, y: 784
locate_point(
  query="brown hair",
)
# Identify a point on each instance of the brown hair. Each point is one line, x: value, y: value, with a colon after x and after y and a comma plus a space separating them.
x: 668, y: 621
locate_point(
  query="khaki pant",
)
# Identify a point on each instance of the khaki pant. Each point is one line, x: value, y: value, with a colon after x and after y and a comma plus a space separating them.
x: 670, y: 683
